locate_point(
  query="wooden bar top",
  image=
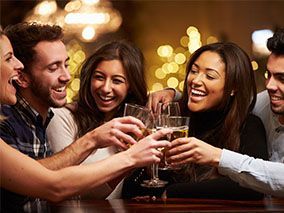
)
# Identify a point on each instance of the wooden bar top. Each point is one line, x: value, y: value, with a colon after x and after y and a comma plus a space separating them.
x: 159, y: 205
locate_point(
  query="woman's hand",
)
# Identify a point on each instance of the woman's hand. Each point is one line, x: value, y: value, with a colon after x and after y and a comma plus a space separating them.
x: 187, y: 150
x: 146, y: 151
x: 116, y: 132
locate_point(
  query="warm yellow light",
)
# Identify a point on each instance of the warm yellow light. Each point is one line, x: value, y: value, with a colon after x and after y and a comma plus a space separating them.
x: 87, y: 18
x: 70, y: 95
x: 72, y: 67
x: 211, y: 40
x: 75, y: 84
x: 157, y: 86
x: 173, y: 67
x: 180, y: 58
x: 184, y: 41
x: 88, y: 33
x: 165, y: 68
x: 191, y: 29
x: 90, y: 2
x: 194, y: 35
x: 165, y: 51
x: 172, y: 82
x: 73, y: 5
x: 79, y: 56
x: 181, y: 85
x: 193, y: 46
x: 266, y: 75
x: 160, y: 74
x: 46, y: 8
x: 254, y: 65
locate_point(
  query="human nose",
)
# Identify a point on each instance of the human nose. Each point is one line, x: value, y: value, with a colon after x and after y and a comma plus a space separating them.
x: 18, y: 64
x: 198, y: 78
x: 65, y: 75
x: 271, y: 84
x: 106, y: 86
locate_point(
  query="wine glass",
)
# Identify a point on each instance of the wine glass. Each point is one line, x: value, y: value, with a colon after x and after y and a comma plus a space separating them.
x: 145, y: 115
x: 168, y: 109
x: 165, y: 110
x: 179, y: 126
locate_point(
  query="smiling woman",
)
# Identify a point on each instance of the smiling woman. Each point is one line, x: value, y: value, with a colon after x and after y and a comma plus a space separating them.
x: 219, y: 95
x: 111, y: 76
x: 10, y: 66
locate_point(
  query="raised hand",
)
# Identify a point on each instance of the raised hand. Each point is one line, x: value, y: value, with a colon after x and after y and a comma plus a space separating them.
x: 187, y: 150
x: 163, y: 96
x: 116, y: 132
x: 146, y: 151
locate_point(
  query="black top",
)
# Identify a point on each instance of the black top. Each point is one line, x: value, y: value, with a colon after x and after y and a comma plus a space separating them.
x: 252, y: 143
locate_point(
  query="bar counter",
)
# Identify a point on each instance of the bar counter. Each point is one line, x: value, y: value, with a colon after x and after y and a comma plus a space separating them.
x: 159, y: 205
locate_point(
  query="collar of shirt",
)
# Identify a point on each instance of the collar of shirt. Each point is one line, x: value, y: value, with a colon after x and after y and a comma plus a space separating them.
x: 31, y: 114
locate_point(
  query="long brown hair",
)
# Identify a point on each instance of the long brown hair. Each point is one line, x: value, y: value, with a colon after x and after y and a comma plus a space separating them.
x: 233, y: 110
x: 87, y: 114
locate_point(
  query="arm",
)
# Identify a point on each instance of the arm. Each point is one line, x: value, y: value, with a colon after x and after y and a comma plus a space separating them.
x: 257, y: 174
x: 103, y: 136
x: 31, y: 178
x: 263, y: 176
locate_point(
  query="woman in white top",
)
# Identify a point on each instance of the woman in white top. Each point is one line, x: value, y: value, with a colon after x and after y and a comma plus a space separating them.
x: 112, y: 76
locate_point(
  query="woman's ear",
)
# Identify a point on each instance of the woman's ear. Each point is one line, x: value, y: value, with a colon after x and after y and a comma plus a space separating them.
x: 23, y: 80
x: 232, y: 93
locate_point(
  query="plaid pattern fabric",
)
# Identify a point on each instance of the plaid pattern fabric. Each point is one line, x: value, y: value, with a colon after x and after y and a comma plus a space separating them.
x: 24, y: 129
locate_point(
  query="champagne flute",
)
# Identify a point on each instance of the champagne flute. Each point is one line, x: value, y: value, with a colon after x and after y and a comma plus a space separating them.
x: 165, y: 110
x: 168, y: 109
x: 145, y: 115
x: 179, y: 126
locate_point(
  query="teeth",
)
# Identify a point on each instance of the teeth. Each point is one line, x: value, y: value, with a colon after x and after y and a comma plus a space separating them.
x: 106, y: 98
x: 274, y: 98
x: 197, y: 92
x: 61, y: 89
x: 13, y: 78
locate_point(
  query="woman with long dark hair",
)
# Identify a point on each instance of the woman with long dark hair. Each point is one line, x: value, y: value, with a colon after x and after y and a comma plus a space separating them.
x: 112, y: 76
x: 219, y: 95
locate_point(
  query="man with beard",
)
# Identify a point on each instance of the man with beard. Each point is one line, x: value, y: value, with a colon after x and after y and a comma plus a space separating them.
x: 41, y: 85
x: 260, y: 175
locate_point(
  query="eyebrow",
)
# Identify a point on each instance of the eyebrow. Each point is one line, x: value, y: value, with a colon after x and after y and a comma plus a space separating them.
x: 120, y: 76
x: 8, y: 54
x: 208, y: 69
x: 58, y: 62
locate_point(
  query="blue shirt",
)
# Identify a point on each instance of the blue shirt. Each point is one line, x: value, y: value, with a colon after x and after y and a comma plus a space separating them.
x: 23, y: 129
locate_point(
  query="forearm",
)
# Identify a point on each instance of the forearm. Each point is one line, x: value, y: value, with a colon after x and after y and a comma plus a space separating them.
x: 263, y: 176
x: 91, y: 176
x: 28, y: 177
x: 73, y: 154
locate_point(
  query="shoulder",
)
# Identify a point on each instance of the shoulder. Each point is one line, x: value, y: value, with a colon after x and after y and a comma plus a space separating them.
x: 262, y: 103
x: 62, y: 116
x: 253, y: 121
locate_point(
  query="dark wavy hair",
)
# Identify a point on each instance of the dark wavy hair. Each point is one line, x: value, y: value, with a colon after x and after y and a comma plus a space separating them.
x: 239, y: 77
x: 233, y: 110
x: 87, y: 114
x: 276, y: 43
x: 25, y: 36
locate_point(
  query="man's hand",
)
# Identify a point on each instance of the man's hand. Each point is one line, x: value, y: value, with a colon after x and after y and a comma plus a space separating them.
x: 187, y: 150
x: 163, y: 96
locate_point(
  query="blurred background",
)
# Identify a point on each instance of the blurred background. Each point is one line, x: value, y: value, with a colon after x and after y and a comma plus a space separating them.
x: 167, y: 32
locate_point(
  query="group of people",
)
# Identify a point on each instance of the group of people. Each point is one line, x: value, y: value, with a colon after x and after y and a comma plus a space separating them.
x: 225, y: 156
